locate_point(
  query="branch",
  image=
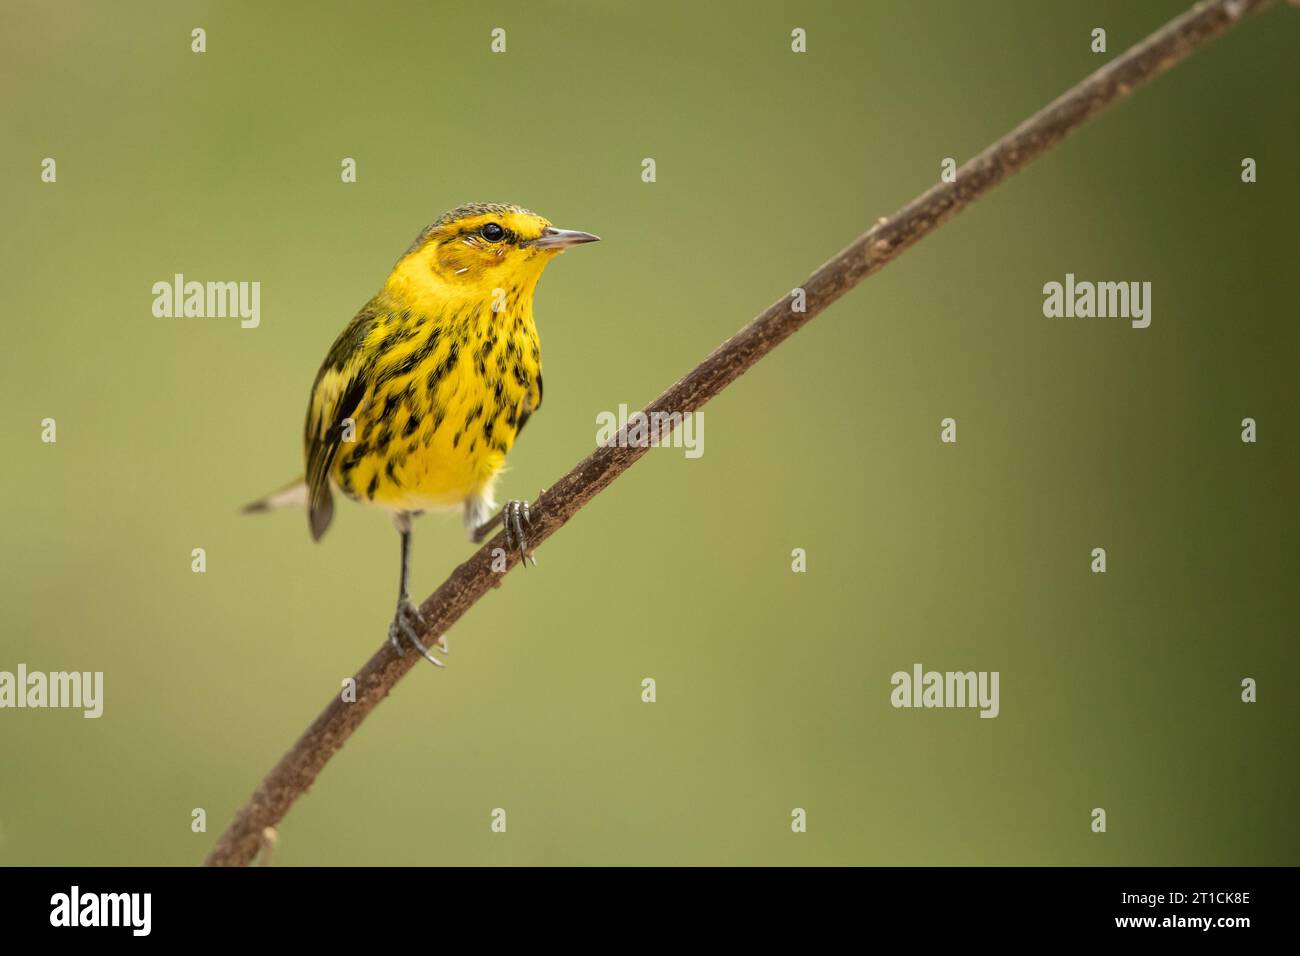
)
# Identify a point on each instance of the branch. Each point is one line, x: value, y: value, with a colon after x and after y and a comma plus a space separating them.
x: 881, y: 244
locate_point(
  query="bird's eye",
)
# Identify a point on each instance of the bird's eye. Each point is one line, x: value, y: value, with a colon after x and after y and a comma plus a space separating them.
x: 492, y: 232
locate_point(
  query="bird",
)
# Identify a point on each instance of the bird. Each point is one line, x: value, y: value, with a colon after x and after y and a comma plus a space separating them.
x: 421, y: 397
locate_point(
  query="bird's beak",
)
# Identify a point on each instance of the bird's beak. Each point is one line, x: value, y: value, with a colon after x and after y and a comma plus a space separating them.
x: 562, y: 238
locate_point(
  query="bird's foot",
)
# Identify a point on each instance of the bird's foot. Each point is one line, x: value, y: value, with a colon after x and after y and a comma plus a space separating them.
x: 408, y: 625
x: 514, y: 517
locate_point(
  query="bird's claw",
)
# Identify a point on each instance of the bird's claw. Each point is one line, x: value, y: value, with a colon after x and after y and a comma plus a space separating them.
x: 514, y: 516
x: 408, y: 625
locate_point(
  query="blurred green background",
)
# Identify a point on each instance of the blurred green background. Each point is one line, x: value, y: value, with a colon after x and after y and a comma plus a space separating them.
x: 1118, y: 691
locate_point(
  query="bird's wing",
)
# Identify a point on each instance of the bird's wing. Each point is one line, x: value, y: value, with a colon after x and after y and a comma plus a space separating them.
x: 336, y: 396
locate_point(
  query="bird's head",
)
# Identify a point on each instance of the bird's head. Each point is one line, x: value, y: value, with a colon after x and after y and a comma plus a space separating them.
x: 475, y: 249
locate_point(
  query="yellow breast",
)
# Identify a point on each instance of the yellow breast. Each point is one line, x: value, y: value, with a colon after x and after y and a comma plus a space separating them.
x: 447, y: 395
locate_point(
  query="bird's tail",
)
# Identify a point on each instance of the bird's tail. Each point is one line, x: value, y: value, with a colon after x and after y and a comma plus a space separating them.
x: 292, y: 495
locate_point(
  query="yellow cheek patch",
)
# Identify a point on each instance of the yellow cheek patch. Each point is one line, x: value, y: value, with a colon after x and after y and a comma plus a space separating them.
x: 461, y: 257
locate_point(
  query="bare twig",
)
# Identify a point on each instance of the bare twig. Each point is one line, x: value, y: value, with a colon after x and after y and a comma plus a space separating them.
x: 881, y: 244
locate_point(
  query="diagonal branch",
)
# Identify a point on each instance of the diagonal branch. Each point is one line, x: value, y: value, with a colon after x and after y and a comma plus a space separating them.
x: 881, y: 244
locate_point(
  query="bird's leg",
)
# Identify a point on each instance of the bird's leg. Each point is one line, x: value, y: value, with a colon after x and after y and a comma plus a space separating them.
x: 514, y: 517
x: 408, y: 623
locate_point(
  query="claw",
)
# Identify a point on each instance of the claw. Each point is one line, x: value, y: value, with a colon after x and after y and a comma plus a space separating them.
x: 514, y: 516
x: 518, y: 525
x: 403, y: 627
